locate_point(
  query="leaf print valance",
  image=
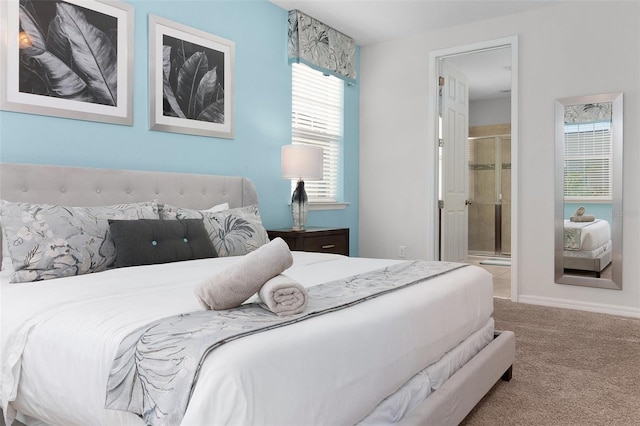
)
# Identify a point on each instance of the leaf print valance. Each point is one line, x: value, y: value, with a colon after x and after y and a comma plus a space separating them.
x: 321, y: 47
x: 588, y: 113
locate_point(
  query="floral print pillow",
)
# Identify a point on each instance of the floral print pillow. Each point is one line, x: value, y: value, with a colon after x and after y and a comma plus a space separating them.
x: 234, y: 232
x: 48, y: 241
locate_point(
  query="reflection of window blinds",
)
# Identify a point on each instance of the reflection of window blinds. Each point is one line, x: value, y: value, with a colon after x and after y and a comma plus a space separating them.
x: 588, y: 158
x: 317, y: 111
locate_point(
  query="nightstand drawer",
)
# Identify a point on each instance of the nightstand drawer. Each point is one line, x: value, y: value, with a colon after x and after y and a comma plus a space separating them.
x: 338, y: 243
x: 322, y: 240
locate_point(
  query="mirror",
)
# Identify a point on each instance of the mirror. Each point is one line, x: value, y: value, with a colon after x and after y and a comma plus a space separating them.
x: 588, y: 191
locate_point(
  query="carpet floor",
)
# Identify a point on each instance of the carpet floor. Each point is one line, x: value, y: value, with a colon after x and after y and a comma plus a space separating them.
x: 572, y: 368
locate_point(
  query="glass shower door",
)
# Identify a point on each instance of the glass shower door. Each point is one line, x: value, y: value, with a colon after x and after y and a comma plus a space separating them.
x: 490, y: 195
x: 482, y: 188
x: 505, y: 185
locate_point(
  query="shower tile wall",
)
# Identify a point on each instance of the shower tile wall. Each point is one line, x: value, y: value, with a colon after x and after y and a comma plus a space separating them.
x: 482, y: 185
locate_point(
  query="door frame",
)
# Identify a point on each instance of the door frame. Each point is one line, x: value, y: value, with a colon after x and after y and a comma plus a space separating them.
x: 434, y: 58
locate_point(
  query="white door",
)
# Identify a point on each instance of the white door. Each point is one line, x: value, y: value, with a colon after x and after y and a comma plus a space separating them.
x: 455, y: 168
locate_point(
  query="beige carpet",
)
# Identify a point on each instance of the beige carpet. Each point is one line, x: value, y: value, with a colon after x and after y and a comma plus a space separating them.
x: 572, y: 368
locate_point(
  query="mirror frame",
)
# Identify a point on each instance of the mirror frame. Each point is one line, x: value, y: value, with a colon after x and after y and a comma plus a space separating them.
x: 617, y: 212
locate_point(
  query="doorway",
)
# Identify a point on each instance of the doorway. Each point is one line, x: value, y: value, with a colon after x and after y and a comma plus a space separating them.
x: 502, y: 208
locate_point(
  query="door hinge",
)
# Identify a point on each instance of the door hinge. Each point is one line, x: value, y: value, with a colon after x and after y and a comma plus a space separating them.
x: 440, y: 143
x: 441, y: 204
x: 440, y: 81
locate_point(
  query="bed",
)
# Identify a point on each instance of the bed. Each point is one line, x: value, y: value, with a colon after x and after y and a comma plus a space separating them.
x: 587, y: 246
x: 425, y: 354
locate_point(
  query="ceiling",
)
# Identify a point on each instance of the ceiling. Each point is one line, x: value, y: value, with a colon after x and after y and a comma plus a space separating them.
x: 489, y: 73
x: 376, y: 21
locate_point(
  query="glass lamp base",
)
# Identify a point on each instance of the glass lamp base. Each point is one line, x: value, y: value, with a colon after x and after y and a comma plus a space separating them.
x: 299, y: 206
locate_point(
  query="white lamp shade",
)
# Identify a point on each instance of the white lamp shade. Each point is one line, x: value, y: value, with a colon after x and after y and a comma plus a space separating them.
x: 302, y: 162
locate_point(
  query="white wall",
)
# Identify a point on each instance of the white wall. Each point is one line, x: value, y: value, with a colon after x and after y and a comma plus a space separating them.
x: 565, y: 50
x: 489, y: 111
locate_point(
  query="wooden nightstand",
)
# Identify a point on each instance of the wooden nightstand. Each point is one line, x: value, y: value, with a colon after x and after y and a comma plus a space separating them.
x: 322, y: 240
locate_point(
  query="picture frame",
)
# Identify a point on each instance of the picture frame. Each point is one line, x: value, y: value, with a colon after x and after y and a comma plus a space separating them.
x: 80, y: 67
x: 201, y: 102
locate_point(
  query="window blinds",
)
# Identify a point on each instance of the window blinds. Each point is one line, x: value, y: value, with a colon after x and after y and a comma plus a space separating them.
x: 588, y: 161
x: 317, y: 119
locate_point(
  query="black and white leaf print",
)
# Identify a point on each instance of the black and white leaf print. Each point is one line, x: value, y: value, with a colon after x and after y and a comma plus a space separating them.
x: 69, y: 57
x: 193, y: 81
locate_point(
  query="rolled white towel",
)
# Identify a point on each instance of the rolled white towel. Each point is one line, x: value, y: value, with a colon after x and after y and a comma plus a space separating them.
x: 583, y: 218
x: 283, y: 296
x: 232, y: 286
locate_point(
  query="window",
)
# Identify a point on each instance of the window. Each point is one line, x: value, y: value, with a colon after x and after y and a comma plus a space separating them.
x: 316, y: 119
x: 588, y: 161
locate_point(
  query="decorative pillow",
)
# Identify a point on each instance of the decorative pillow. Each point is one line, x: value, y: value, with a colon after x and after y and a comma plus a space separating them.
x: 234, y: 232
x: 49, y: 241
x: 169, y: 212
x: 6, y: 270
x: 150, y: 241
x: 7, y: 265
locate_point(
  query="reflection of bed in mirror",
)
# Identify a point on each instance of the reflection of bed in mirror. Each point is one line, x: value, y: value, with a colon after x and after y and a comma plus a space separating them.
x: 587, y: 246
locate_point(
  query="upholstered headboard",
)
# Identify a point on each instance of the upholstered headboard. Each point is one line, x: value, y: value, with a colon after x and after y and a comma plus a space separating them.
x: 82, y: 186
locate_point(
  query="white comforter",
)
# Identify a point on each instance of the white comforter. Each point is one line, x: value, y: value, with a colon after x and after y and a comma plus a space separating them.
x: 59, y: 338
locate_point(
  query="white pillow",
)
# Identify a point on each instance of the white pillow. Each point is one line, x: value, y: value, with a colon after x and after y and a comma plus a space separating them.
x: 218, y: 208
x: 168, y: 212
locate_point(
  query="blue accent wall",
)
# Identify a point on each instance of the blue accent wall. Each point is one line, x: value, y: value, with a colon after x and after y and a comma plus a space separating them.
x: 599, y: 210
x: 262, y: 116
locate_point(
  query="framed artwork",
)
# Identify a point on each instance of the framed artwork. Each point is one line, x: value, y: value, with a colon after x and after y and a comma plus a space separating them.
x: 71, y: 59
x: 191, y: 80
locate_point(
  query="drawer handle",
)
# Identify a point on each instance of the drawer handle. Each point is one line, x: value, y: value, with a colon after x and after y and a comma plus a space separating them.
x: 328, y: 246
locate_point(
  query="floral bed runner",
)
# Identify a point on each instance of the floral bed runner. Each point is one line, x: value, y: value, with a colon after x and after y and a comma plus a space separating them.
x: 156, y: 367
x: 573, y: 234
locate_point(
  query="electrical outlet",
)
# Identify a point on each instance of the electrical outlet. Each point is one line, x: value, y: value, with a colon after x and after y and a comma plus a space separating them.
x: 402, y: 252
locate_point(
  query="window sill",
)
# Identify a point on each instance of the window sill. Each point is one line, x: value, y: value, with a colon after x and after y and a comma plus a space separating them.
x: 587, y: 200
x: 327, y: 206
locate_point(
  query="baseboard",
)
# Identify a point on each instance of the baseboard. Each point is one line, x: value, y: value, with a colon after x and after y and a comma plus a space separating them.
x: 601, y: 308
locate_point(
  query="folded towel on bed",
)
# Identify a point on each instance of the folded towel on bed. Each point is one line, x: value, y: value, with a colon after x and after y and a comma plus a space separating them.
x: 283, y: 295
x: 583, y: 218
x: 232, y: 286
x: 580, y: 211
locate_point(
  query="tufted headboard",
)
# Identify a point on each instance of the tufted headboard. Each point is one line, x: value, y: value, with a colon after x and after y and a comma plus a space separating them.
x: 82, y: 186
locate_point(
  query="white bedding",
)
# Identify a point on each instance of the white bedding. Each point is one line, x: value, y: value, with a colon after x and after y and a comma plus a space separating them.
x: 589, y: 254
x: 592, y: 234
x: 427, y: 381
x: 59, y: 337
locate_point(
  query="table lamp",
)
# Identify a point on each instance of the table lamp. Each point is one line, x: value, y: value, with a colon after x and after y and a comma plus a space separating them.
x: 301, y: 162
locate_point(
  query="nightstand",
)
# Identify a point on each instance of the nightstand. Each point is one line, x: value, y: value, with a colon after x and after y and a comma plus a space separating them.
x: 322, y: 240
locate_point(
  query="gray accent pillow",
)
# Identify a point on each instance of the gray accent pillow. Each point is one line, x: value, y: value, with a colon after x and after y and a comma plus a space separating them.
x: 234, y: 232
x: 150, y: 241
x: 49, y: 241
